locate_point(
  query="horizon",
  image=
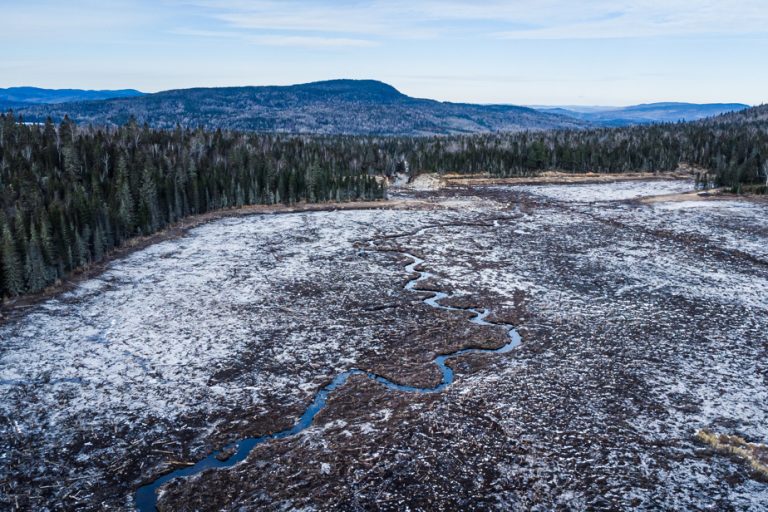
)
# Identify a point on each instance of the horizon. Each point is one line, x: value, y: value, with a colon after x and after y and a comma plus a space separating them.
x: 537, y: 106
x: 550, y: 53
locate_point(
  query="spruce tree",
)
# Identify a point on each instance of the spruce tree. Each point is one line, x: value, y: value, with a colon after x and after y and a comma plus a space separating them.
x: 48, y: 246
x: 149, y: 211
x: 12, y: 274
x: 34, y: 267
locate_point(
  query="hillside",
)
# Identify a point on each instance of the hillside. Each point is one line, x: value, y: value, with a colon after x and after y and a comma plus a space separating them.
x: 350, y: 107
x: 646, y: 114
x: 757, y: 114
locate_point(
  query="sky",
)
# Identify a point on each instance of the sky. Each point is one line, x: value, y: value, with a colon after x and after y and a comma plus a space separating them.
x: 527, y: 52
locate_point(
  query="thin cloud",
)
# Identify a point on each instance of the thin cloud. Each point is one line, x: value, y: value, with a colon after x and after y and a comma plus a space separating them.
x: 52, y: 19
x: 515, y: 19
x: 312, y: 42
x: 277, y: 39
x: 460, y: 50
x: 217, y: 34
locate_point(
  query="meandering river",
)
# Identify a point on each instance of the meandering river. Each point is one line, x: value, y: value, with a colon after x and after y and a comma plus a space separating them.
x: 146, y: 496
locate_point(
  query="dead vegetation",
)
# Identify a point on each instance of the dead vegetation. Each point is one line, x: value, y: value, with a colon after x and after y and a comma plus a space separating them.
x: 632, y: 331
x: 754, y: 454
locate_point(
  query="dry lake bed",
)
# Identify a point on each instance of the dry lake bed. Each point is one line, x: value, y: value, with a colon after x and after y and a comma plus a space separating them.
x: 641, y: 323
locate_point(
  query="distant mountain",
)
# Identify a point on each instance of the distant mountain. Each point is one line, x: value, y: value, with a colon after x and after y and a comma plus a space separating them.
x: 645, y: 114
x: 358, y: 107
x: 15, y: 96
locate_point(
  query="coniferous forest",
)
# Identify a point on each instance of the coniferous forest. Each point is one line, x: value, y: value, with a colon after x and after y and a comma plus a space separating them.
x: 69, y: 194
x: 731, y: 150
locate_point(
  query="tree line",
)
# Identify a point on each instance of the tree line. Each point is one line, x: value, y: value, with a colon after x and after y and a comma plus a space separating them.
x: 731, y: 151
x: 69, y: 194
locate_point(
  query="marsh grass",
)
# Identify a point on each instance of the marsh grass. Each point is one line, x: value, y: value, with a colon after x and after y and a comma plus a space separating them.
x: 755, y: 454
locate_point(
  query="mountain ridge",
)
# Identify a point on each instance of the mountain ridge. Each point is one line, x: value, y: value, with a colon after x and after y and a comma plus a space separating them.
x: 37, y: 95
x: 334, y: 107
x: 646, y: 113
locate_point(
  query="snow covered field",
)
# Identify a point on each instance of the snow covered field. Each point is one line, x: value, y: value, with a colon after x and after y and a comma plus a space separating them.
x: 244, y: 318
x: 640, y: 324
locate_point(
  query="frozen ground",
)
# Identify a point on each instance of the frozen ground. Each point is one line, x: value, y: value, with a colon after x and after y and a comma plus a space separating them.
x: 190, y: 342
x: 598, y: 192
x: 640, y: 324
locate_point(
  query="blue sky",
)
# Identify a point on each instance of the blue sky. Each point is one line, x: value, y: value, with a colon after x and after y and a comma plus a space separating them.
x: 515, y: 51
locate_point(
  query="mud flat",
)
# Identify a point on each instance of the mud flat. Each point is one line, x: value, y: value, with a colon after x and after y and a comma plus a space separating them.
x: 642, y: 323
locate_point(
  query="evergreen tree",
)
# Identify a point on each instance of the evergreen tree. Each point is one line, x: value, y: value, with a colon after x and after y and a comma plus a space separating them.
x: 34, y: 268
x: 149, y: 216
x: 12, y: 275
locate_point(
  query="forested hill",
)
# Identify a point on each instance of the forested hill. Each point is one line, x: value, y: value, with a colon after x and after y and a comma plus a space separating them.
x: 352, y: 107
x: 752, y: 115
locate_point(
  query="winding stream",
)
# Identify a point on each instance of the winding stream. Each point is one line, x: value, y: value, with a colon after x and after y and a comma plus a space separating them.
x: 146, y: 496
